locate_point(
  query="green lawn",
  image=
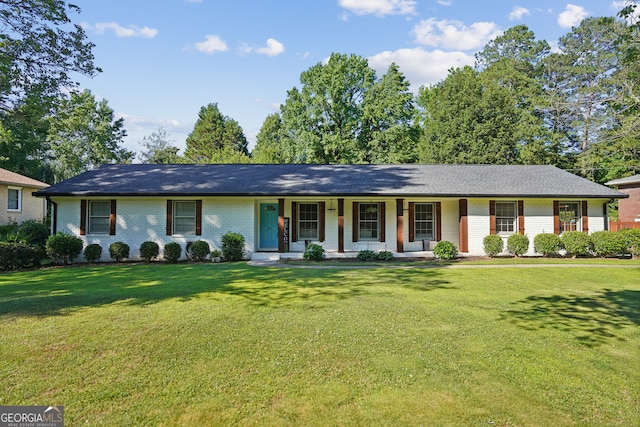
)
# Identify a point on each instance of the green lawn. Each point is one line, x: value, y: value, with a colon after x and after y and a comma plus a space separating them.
x: 231, y: 344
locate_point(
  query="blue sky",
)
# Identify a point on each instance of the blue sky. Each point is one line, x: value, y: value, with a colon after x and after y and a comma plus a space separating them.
x: 163, y: 60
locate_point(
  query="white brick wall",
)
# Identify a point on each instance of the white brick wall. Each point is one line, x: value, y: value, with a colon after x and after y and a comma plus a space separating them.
x: 141, y: 219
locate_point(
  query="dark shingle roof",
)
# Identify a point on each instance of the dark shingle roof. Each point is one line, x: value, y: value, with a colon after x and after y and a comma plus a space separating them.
x: 346, y: 180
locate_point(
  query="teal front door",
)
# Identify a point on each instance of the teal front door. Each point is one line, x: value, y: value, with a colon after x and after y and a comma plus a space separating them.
x: 268, y: 226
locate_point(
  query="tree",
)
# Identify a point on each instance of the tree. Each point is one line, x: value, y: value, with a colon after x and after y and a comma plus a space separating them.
x: 83, y: 134
x: 39, y: 49
x: 344, y: 114
x: 272, y: 145
x: 517, y: 45
x: 214, y: 138
x: 158, y: 149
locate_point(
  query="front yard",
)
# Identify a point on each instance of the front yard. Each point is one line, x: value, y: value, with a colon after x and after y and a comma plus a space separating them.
x: 232, y: 344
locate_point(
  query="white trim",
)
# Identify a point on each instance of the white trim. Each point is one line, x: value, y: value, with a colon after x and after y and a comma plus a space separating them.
x: 20, y: 195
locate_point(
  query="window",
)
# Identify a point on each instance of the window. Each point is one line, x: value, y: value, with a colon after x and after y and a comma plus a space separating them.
x: 99, y: 217
x: 506, y: 215
x: 368, y: 228
x: 14, y: 199
x: 569, y: 213
x: 424, y: 220
x: 184, y: 217
x: 308, y: 221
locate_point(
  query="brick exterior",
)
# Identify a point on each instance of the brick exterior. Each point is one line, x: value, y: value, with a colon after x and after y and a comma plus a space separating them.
x: 141, y: 219
x: 629, y: 209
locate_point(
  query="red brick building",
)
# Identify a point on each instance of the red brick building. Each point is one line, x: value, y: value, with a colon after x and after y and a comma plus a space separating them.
x: 628, y: 209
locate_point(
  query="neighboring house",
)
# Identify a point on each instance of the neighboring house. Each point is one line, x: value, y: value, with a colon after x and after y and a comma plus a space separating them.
x: 629, y: 208
x: 17, y: 204
x: 347, y: 208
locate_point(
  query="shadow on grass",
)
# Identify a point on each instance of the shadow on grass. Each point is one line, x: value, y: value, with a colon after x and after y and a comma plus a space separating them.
x: 59, y: 291
x: 594, y: 319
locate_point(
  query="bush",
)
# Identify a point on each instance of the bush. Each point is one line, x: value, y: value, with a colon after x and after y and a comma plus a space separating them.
x: 607, y: 243
x: 14, y: 256
x: 547, y: 244
x: 518, y: 244
x: 314, y: 252
x: 31, y: 232
x: 445, y: 250
x: 232, y: 246
x: 172, y: 251
x: 63, y: 247
x: 198, y: 250
x: 119, y: 251
x: 366, y: 255
x: 385, y: 256
x: 576, y: 243
x: 93, y: 252
x: 631, y: 237
x: 149, y: 250
x: 493, y: 245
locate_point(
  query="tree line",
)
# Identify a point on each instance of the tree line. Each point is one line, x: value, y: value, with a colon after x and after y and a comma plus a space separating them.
x: 521, y: 103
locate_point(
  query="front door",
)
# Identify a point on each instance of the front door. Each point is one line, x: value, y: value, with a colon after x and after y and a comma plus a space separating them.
x: 268, y: 226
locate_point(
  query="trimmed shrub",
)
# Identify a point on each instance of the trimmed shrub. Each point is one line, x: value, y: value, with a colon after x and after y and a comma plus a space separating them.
x: 492, y: 244
x: 93, y: 252
x: 119, y: 251
x: 149, y: 250
x: 31, y: 232
x: 384, y: 256
x: 547, y: 244
x: 366, y: 255
x: 14, y: 256
x: 232, y: 246
x: 198, y: 250
x: 314, y: 252
x: 576, y: 243
x: 607, y: 243
x: 63, y: 247
x: 631, y: 237
x: 518, y: 244
x: 445, y: 250
x: 172, y: 251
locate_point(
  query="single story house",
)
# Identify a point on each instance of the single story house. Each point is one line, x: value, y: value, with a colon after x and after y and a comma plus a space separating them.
x: 17, y: 204
x: 629, y: 208
x: 278, y: 209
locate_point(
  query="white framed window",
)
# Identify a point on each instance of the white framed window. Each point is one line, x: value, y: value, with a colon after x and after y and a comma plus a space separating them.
x: 99, y: 216
x: 308, y: 221
x: 14, y: 199
x: 184, y: 217
x: 424, y: 220
x: 506, y: 215
x: 369, y: 221
x: 569, y: 213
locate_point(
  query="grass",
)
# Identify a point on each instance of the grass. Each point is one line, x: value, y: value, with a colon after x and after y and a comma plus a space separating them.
x: 234, y: 344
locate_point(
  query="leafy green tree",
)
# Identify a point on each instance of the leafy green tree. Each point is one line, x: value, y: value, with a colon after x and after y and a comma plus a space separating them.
x: 518, y: 46
x: 272, y: 144
x: 214, y: 138
x: 388, y: 135
x: 158, y: 149
x: 83, y: 134
x: 343, y: 114
x: 40, y: 49
x: 468, y: 118
x: 324, y: 118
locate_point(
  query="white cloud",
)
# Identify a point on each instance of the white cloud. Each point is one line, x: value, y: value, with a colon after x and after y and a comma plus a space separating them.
x: 454, y: 34
x: 193, y: 1
x: 518, y: 12
x: 379, y: 7
x: 273, y: 48
x: 421, y: 67
x: 120, y: 31
x: 211, y: 44
x: 445, y: 2
x: 572, y: 16
x: 617, y: 6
